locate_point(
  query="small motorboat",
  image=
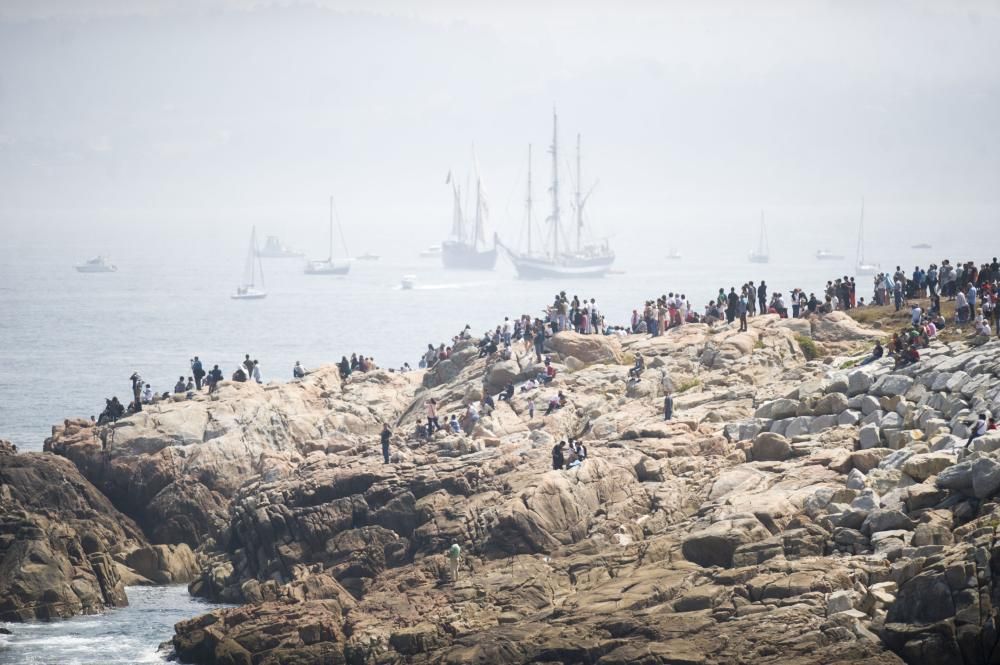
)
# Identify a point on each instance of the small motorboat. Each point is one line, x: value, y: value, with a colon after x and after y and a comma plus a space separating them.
x: 368, y: 256
x: 827, y: 255
x: 673, y: 255
x: 408, y: 282
x: 97, y: 264
x: 431, y: 252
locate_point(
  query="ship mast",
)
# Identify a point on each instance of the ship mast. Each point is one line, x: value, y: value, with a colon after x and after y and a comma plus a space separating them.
x: 579, y: 200
x: 554, y: 150
x: 479, y: 212
x: 330, y: 257
x: 528, y: 201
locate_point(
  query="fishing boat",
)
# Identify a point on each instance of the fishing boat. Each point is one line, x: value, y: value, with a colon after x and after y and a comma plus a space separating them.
x: 466, y: 248
x: 408, y: 282
x: 556, y: 260
x: 862, y: 268
x: 827, y: 255
x: 368, y: 256
x: 251, y: 287
x: 97, y: 264
x: 329, y: 265
x: 431, y: 252
x: 274, y: 249
x: 673, y: 255
x: 762, y: 253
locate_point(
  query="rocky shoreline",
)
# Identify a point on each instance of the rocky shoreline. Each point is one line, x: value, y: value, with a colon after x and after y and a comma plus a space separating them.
x: 794, y: 511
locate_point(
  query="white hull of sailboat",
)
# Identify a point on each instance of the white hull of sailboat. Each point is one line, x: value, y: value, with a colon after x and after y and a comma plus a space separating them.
x: 759, y: 258
x: 249, y: 294
x: 865, y: 269
x: 328, y: 267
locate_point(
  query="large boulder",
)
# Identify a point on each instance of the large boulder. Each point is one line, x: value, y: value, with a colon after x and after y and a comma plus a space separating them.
x: 589, y: 349
x: 839, y: 327
x: 771, y: 447
x: 716, y: 544
x: 58, y: 535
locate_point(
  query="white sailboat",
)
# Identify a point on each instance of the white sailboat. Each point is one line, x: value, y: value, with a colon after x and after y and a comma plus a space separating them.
x: 762, y: 253
x: 862, y: 268
x: 251, y: 288
x: 329, y: 266
x: 556, y: 261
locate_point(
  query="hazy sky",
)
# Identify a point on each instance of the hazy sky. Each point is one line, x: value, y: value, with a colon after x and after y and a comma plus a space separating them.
x: 212, y: 115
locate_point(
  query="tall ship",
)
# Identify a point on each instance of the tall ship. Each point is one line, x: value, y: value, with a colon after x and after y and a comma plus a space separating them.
x: 763, y: 253
x: 329, y: 265
x: 560, y: 256
x: 466, y: 248
x: 274, y: 249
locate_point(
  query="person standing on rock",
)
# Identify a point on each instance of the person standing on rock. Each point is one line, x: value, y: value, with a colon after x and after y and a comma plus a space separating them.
x: 248, y: 365
x: 197, y: 371
x: 255, y: 372
x: 213, y: 379
x: 385, y: 436
x: 454, y: 556
x: 432, y: 417
x: 558, y: 459
x: 762, y: 296
x: 668, y: 406
x: 741, y: 309
x: 136, y: 390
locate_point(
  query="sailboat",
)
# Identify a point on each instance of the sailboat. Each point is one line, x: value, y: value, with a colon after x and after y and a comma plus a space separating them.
x: 761, y: 254
x: 862, y: 268
x: 555, y: 261
x: 329, y: 266
x: 250, y: 289
x: 462, y: 251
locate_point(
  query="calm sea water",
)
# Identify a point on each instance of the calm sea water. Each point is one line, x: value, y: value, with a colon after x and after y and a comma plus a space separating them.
x: 68, y: 340
x: 128, y: 635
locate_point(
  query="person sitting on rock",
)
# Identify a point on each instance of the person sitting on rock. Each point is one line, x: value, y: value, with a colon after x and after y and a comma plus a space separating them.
x: 147, y: 395
x: 180, y: 386
x: 421, y: 429
x: 190, y: 385
x: 299, y: 372
x: 558, y: 459
x: 239, y: 376
x: 877, y: 353
x: 909, y: 356
x: 528, y: 386
x: 454, y: 425
x: 978, y: 428
x: 549, y: 374
x: 507, y: 393
x: 638, y: 368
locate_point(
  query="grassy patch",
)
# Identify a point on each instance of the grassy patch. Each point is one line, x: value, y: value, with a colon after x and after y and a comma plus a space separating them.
x: 688, y: 384
x: 758, y: 344
x: 849, y: 364
x: 808, y: 347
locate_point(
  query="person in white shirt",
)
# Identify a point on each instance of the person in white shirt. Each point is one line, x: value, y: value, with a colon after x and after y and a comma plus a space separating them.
x: 147, y: 395
x: 256, y: 372
x: 915, y: 314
